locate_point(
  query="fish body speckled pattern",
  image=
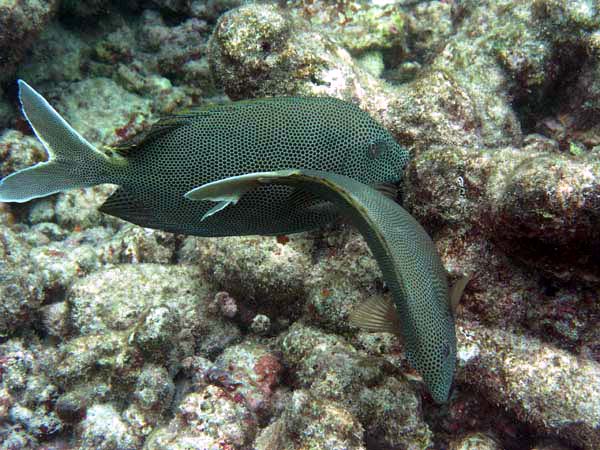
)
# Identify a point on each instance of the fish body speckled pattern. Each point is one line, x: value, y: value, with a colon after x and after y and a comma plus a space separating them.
x: 271, y: 166
x: 187, y: 150
x: 405, y: 253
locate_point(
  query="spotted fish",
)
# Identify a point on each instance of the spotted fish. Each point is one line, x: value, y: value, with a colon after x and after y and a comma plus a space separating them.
x: 422, y: 312
x: 321, y: 157
x: 155, y: 169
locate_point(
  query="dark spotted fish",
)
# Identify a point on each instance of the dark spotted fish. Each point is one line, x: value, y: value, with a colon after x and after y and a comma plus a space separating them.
x: 155, y: 169
x: 336, y: 151
x: 422, y: 311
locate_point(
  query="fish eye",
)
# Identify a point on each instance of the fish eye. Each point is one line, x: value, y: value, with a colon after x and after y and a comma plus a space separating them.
x: 376, y: 148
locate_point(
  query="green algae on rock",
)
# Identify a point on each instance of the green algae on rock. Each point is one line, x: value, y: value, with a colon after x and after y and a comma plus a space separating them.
x: 506, y: 69
x: 329, y: 368
x: 546, y: 387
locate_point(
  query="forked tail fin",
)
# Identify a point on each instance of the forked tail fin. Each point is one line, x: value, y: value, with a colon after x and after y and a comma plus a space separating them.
x: 72, y: 161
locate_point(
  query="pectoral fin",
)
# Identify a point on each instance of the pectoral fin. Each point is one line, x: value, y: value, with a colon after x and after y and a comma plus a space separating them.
x: 376, y: 314
x: 229, y: 190
x: 456, y: 291
x: 218, y: 207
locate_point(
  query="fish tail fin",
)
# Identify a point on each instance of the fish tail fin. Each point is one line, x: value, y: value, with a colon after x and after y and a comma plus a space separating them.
x: 72, y: 161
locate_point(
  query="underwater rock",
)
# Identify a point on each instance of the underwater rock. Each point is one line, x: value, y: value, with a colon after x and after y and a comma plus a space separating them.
x: 59, y: 260
x: 28, y: 393
x: 572, y: 118
x: 255, y: 40
x: 73, y: 8
x: 210, y: 418
x: 134, y: 244
x: 39, y: 422
x: 428, y: 27
x: 259, y: 272
x: 252, y: 374
x: 552, y: 390
x: 540, y: 207
x: 18, y: 151
x: 475, y: 441
x: 549, y: 445
x: 165, y: 308
x: 179, y: 51
x: 21, y: 285
x: 311, y: 422
x: 42, y: 213
x: 116, y: 299
x: 92, y: 356
x: 358, y: 27
x: 20, y: 24
x: 78, y: 208
x: 551, y: 205
x: 260, y: 324
x: 211, y: 10
x: 506, y: 294
x: 101, y: 110
x: 256, y: 52
x: 343, y: 275
x: 7, y: 111
x: 154, y: 389
x: 391, y: 415
x: 104, y: 429
x: 59, y: 54
x: 71, y: 406
x: 55, y: 319
x: 226, y: 304
x: 386, y: 407
x: 204, y: 9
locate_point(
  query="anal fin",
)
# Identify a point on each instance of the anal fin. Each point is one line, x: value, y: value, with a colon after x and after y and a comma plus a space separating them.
x: 125, y: 206
x: 377, y: 314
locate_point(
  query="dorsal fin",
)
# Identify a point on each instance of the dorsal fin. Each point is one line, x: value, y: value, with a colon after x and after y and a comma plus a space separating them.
x: 376, y: 314
x: 125, y: 206
x: 177, y: 119
x: 164, y: 125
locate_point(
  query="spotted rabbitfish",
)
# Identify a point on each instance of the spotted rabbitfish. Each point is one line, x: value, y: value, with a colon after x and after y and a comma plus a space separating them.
x: 269, y: 166
x: 180, y: 152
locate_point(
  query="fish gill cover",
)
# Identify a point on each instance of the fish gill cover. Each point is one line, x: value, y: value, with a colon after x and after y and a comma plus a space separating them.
x: 117, y: 336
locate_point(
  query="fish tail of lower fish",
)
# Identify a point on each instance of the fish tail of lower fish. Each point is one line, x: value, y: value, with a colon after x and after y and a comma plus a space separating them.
x: 72, y: 161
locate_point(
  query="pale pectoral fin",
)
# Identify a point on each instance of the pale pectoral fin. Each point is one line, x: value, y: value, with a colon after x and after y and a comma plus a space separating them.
x: 456, y: 291
x: 231, y: 189
x: 218, y: 207
x: 228, y: 191
x: 376, y: 314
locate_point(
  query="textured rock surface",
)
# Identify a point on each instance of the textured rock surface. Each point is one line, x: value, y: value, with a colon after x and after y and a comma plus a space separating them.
x: 549, y: 388
x: 117, y: 337
x: 20, y: 24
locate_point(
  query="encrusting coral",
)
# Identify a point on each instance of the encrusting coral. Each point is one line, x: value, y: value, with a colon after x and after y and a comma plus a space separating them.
x: 119, y: 337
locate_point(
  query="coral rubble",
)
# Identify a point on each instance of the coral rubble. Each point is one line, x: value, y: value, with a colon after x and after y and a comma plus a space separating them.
x: 114, y: 336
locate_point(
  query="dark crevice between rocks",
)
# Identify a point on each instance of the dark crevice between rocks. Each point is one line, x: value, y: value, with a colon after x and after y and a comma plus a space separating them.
x: 562, y: 71
x: 469, y: 412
